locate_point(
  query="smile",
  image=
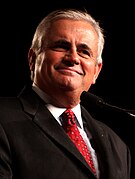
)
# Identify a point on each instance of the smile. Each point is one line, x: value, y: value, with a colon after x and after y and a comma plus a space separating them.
x: 69, y: 71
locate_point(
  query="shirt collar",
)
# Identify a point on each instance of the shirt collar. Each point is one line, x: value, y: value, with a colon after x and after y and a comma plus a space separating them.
x: 56, y: 112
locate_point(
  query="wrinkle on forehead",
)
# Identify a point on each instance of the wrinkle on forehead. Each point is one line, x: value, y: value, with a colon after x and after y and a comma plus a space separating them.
x: 74, y: 32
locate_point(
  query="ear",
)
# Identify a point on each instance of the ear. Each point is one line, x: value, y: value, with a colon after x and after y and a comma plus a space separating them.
x: 31, y: 59
x: 98, y: 68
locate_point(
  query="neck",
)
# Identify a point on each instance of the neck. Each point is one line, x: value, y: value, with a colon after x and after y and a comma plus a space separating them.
x: 59, y: 98
x: 64, y: 99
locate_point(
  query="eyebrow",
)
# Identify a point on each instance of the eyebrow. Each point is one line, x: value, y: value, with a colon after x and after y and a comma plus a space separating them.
x: 62, y: 41
x: 58, y: 42
x: 81, y: 45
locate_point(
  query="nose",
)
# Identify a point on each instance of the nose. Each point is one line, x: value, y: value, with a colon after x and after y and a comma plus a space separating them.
x: 72, y: 58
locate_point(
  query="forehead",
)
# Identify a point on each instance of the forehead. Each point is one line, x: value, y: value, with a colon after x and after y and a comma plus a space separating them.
x: 72, y: 28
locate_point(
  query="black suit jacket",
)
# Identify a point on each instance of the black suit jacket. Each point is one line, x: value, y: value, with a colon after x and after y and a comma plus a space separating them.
x: 34, y: 146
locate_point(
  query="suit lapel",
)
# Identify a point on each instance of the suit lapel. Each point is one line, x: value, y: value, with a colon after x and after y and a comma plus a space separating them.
x: 50, y: 126
x: 101, y: 146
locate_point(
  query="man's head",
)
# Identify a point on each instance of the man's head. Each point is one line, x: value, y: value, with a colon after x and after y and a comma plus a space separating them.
x: 66, y: 52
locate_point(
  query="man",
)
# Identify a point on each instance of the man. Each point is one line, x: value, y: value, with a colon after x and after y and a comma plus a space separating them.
x: 65, y: 59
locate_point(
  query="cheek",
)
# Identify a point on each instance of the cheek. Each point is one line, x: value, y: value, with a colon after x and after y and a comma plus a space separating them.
x: 89, y: 68
x: 47, y: 65
x: 89, y: 73
x: 45, y: 68
x: 41, y: 65
x: 52, y: 56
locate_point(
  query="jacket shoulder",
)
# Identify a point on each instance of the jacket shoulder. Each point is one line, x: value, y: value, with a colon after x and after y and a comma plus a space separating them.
x: 9, y: 103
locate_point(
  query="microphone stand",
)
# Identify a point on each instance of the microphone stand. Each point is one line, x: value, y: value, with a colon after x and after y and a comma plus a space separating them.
x: 99, y: 102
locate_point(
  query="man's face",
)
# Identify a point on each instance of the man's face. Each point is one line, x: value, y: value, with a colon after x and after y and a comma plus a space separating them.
x: 68, y: 61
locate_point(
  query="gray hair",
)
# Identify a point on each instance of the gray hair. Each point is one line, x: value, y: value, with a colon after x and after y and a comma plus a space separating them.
x: 73, y: 14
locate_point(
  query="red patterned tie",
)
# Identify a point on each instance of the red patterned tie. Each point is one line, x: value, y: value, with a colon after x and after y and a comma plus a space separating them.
x: 74, y: 134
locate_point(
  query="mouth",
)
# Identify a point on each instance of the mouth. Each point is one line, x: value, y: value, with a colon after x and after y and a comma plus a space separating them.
x: 69, y: 71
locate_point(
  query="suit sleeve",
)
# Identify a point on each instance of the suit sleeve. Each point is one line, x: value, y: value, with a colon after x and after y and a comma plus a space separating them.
x: 5, y: 156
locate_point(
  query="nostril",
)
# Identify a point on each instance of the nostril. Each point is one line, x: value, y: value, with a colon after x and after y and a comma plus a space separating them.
x: 70, y: 60
x: 76, y: 63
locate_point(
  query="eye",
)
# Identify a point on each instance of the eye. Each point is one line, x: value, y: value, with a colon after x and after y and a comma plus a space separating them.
x: 84, y: 53
x: 60, y: 47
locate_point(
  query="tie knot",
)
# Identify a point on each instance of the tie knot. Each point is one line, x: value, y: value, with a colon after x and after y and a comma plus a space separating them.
x: 69, y: 117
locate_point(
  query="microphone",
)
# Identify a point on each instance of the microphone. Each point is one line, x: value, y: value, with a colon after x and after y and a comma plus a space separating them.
x: 93, y: 99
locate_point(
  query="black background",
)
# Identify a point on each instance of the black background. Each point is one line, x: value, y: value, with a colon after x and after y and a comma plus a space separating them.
x: 116, y: 82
